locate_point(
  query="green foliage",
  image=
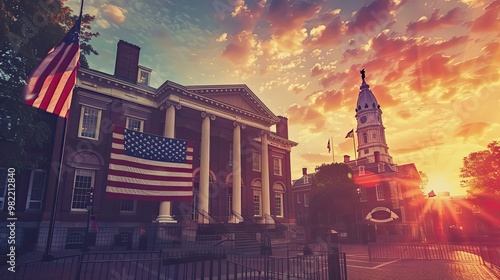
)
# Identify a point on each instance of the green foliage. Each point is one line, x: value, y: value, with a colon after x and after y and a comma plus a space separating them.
x: 334, y: 193
x: 481, y: 171
x: 28, y: 30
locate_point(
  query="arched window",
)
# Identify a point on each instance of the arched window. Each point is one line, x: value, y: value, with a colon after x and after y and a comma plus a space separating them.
x: 257, y: 198
x: 365, y: 137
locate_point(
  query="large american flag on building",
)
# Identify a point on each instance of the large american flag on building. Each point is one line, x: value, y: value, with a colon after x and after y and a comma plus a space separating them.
x: 149, y: 167
x: 50, y: 85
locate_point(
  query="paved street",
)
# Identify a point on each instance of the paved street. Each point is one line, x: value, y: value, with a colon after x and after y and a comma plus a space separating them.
x: 360, y: 268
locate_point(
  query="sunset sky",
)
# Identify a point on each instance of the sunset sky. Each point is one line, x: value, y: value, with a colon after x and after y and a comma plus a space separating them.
x: 432, y: 65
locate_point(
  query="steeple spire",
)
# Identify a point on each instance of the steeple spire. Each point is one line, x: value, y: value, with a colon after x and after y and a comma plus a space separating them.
x: 370, y: 129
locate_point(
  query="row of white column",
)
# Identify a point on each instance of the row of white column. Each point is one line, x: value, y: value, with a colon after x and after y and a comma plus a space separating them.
x: 204, y: 191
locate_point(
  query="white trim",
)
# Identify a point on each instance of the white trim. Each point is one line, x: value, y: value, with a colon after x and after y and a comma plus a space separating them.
x: 280, y: 166
x: 98, y: 122
x: 377, y: 188
x: 141, y: 121
x: 281, y: 197
x: 259, y: 194
x: 260, y: 161
x: 73, y: 189
x: 134, y: 207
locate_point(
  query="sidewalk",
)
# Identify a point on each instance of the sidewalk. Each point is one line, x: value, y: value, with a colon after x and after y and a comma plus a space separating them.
x: 360, y: 268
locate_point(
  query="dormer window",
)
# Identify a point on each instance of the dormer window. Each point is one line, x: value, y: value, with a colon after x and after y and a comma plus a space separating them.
x: 143, y: 75
x: 361, y: 170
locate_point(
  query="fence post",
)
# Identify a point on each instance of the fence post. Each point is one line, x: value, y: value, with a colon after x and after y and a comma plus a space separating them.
x: 79, y: 267
x: 333, y: 255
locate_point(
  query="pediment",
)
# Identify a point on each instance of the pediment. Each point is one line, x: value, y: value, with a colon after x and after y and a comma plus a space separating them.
x: 239, y: 96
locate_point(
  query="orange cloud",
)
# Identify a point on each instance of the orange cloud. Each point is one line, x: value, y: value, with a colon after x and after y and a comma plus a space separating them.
x: 487, y: 22
x: 472, y: 129
x: 453, y: 17
x: 239, y: 50
x: 114, y: 13
x: 373, y: 16
x: 306, y: 116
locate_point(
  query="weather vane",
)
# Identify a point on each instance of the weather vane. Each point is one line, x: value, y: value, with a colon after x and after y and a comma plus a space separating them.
x: 362, y: 74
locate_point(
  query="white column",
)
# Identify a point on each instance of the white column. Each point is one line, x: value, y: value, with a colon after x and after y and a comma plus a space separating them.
x: 203, y: 197
x: 266, y: 200
x: 236, y: 173
x: 165, y: 214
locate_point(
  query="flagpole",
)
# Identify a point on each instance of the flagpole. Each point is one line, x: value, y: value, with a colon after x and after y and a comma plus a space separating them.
x: 46, y: 256
x: 333, y: 151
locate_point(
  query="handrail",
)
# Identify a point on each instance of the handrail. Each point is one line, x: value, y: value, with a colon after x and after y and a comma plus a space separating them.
x: 238, y: 216
x: 207, y: 216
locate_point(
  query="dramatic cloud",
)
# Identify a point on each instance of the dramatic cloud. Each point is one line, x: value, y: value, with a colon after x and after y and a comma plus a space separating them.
x: 222, y: 38
x: 297, y: 88
x: 472, y: 129
x: 453, y: 17
x: 114, y: 13
x: 489, y: 21
x: 306, y: 116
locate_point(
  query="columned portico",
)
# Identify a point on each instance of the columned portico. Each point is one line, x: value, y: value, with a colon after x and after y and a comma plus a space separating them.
x: 236, y: 199
x: 203, y: 197
x: 165, y: 214
x: 266, y: 201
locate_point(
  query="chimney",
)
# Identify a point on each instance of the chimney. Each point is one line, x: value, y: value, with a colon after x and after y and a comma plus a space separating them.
x: 377, y: 156
x: 127, y: 61
x: 347, y: 158
x: 304, y: 171
x: 282, y: 127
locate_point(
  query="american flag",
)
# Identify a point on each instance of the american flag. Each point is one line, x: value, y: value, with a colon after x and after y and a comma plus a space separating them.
x: 51, y: 83
x: 149, y: 167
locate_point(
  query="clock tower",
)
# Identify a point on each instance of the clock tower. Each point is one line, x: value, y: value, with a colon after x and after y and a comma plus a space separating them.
x: 370, y: 129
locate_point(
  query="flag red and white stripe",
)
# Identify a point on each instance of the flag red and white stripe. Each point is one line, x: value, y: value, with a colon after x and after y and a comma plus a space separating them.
x: 50, y: 85
x: 140, y: 168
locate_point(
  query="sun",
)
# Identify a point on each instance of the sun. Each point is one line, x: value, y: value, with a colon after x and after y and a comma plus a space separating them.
x: 441, y: 183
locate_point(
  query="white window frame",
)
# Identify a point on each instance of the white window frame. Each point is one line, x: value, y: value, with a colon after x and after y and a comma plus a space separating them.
x: 98, y: 122
x: 379, y: 190
x: 306, y: 179
x: 277, y: 167
x: 257, y: 194
x: 126, y: 211
x: 278, y: 197
x: 363, y: 195
x: 141, y: 121
x: 92, y: 182
x: 361, y: 170
x: 142, y: 70
x: 256, y: 162
x: 29, y: 200
x: 298, y: 198
x: 3, y: 186
x: 306, y: 199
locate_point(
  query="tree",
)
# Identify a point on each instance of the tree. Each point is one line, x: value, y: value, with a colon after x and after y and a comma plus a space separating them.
x: 481, y: 171
x: 28, y: 30
x: 334, y: 194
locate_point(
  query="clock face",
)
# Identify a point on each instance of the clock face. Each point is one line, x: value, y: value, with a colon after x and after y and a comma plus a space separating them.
x: 363, y: 119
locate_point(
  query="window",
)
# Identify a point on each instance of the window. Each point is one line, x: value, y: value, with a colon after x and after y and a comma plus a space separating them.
x: 366, y: 151
x: 299, y: 195
x: 230, y: 201
x: 365, y: 138
x: 278, y: 200
x: 277, y: 166
x: 400, y: 192
x: 306, y: 179
x: 306, y: 200
x: 36, y: 188
x: 135, y: 124
x: 128, y: 206
x: 363, y: 197
x: 256, y: 203
x: 403, y: 214
x: 143, y: 76
x: 381, y: 167
x: 84, y: 181
x: 256, y: 161
x: 380, y: 192
x: 475, y: 209
x: 90, y: 119
x: 361, y: 170
x: 458, y: 209
x: 3, y: 187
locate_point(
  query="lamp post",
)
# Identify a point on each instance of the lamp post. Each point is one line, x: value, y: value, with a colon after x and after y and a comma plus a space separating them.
x: 90, y: 207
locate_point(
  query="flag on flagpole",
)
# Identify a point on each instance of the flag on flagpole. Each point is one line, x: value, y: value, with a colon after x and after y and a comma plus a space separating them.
x: 50, y: 85
x: 328, y: 146
x: 350, y: 134
x: 149, y: 167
